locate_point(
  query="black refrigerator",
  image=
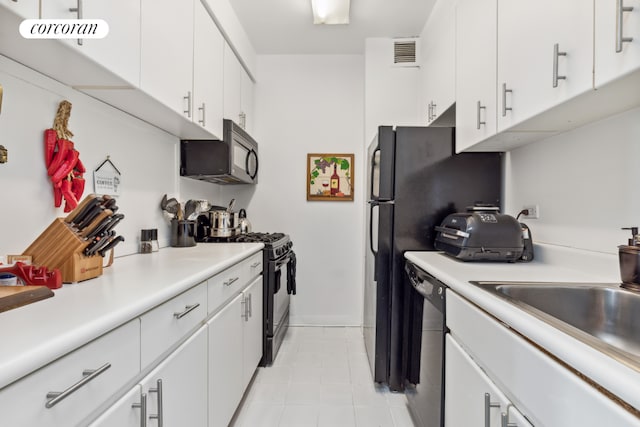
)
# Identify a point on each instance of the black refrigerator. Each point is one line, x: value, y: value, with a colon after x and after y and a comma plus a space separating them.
x: 414, y: 181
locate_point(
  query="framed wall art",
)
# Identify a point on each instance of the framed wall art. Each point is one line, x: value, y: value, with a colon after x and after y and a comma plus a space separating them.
x: 330, y: 177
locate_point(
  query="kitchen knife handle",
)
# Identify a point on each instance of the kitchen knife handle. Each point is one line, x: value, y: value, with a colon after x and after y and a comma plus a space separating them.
x: 102, y: 251
x: 82, y: 208
x: 143, y: 409
x: 620, y: 38
x: 88, y: 230
x: 56, y: 397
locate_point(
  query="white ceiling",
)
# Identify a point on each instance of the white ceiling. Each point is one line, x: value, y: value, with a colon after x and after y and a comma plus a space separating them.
x: 286, y: 26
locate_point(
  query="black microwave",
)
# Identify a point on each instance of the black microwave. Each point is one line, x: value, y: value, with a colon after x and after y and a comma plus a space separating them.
x: 232, y: 160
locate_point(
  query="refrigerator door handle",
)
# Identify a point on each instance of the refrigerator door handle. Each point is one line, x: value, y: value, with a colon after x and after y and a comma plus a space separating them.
x: 372, y: 204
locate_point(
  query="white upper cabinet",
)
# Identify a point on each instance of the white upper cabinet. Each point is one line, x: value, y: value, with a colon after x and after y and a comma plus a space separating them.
x: 167, y: 53
x: 475, y: 71
x: 25, y: 8
x: 119, y: 51
x: 246, y: 100
x: 617, y: 39
x: 207, y: 72
x: 438, y: 52
x: 232, y: 85
x: 541, y: 66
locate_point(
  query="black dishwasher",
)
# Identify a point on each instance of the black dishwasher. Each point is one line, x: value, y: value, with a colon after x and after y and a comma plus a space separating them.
x: 423, y: 353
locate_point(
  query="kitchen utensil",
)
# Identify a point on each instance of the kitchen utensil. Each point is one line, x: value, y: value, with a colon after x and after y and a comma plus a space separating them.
x: 172, y: 207
x: 97, y: 222
x: 110, y: 245
x: 163, y: 203
x: 182, y: 233
x: 244, y: 225
x: 17, y: 296
x: 190, y: 208
x: 77, y: 215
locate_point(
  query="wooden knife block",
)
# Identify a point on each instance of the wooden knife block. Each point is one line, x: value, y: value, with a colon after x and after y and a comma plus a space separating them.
x: 60, y: 247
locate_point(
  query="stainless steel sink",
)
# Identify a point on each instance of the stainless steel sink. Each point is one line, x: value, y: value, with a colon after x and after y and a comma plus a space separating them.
x: 602, y: 315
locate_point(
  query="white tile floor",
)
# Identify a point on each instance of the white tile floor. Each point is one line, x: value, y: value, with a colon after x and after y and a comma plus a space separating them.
x: 320, y: 378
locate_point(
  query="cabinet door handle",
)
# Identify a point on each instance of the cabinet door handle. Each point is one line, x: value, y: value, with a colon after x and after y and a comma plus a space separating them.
x: 187, y: 309
x: 488, y: 404
x: 188, y: 99
x: 230, y: 281
x: 429, y: 115
x: 78, y: 9
x: 250, y: 307
x: 244, y: 303
x: 158, y: 391
x: 479, y: 121
x: 255, y: 264
x: 203, y: 120
x: 556, y: 55
x: 433, y: 111
x: 88, y: 375
x: 504, y: 418
x: 620, y: 38
x: 504, y: 99
x: 143, y: 409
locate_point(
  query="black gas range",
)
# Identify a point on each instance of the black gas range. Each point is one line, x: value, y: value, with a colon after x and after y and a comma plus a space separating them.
x: 279, y: 283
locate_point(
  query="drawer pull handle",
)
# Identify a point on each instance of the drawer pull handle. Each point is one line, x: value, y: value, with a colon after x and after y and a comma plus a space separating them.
x: 620, y: 38
x: 488, y: 404
x: 231, y: 281
x: 255, y: 264
x: 79, y: 10
x: 187, y: 309
x: 556, y: 55
x: 158, y: 390
x: 143, y: 409
x: 56, y: 397
x: 505, y: 418
x: 479, y: 121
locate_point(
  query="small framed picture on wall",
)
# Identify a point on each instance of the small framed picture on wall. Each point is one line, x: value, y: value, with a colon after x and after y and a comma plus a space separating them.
x: 329, y: 177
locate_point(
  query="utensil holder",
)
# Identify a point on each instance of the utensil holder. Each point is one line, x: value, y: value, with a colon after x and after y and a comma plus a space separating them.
x: 60, y: 247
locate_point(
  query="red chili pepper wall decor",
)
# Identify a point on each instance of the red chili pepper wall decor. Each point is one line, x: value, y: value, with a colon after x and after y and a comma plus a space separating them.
x: 63, y: 161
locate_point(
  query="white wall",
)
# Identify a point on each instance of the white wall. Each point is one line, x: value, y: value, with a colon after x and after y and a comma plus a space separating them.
x: 146, y: 156
x: 391, y: 92
x: 310, y: 104
x: 585, y: 182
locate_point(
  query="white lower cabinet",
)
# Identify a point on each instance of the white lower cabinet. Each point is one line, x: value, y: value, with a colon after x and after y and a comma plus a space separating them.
x: 177, y: 389
x: 472, y: 399
x: 235, y: 348
x: 173, y: 394
x: 68, y: 390
x: 546, y: 392
x: 128, y: 411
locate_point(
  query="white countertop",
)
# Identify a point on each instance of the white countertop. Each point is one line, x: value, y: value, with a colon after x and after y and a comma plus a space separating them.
x: 36, y: 334
x: 552, y: 263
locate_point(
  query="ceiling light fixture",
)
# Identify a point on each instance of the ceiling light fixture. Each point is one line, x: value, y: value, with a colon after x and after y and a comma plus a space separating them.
x: 330, y: 11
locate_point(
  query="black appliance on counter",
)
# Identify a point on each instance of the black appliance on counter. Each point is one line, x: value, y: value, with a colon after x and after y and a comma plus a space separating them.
x: 415, y: 180
x: 481, y: 234
x: 279, y: 283
x: 232, y: 160
x: 425, y: 365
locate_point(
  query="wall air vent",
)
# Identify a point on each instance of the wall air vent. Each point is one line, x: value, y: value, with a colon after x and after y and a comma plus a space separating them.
x: 405, y: 52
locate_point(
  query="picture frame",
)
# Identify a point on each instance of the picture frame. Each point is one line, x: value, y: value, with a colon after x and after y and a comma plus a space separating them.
x: 330, y: 177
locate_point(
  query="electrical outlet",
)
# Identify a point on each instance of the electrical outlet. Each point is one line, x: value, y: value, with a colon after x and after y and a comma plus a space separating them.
x: 534, y: 212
